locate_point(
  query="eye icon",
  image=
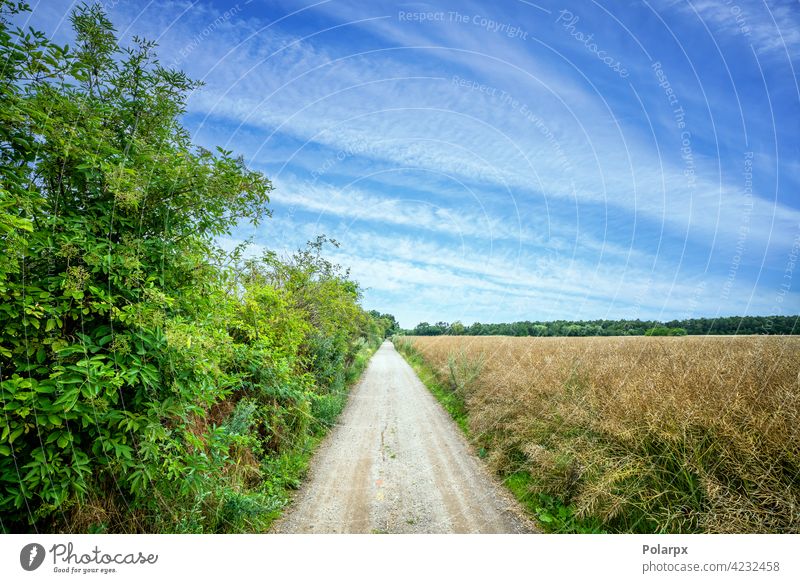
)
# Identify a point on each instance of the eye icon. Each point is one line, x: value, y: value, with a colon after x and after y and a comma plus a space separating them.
x: 31, y: 556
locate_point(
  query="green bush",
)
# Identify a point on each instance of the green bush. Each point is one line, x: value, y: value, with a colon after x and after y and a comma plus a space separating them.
x: 665, y: 331
x: 143, y: 386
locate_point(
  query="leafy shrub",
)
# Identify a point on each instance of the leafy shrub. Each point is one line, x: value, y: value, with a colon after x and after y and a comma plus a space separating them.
x: 665, y: 331
x: 144, y: 387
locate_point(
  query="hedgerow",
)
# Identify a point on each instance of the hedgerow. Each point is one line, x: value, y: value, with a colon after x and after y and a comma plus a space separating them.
x: 148, y: 380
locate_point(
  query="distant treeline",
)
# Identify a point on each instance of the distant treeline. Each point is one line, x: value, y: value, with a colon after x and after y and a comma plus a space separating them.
x: 695, y: 326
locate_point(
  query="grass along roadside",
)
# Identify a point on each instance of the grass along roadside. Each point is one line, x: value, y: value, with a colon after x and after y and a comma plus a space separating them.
x: 449, y: 399
x: 288, y: 470
x: 549, y: 512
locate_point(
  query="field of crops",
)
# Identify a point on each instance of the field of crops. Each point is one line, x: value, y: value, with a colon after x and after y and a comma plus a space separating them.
x: 691, y: 434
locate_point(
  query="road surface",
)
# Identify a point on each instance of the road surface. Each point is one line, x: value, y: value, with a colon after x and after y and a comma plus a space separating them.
x: 397, y: 463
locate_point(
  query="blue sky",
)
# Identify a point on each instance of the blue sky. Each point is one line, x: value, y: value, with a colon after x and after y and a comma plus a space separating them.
x: 501, y: 161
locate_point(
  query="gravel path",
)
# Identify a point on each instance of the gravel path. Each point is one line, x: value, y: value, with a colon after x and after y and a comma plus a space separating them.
x: 396, y: 463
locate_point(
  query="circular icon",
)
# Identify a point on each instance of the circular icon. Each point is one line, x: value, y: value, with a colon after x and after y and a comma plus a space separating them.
x: 31, y: 556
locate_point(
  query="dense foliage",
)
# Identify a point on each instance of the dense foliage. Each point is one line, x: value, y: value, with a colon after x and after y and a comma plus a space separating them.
x: 665, y: 331
x: 387, y: 321
x: 695, y: 326
x: 148, y: 381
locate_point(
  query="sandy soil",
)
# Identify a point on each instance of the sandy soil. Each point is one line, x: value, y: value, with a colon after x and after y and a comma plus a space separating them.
x: 396, y: 463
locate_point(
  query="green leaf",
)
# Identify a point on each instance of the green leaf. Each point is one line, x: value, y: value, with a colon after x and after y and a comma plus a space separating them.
x: 15, y: 434
x: 68, y: 399
x: 5, y: 450
x: 46, y: 387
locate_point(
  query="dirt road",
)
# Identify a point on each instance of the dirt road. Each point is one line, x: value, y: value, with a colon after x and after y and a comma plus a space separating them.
x: 396, y: 463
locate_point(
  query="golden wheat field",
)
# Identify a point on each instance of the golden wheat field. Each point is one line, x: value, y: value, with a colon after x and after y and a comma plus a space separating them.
x: 637, y: 434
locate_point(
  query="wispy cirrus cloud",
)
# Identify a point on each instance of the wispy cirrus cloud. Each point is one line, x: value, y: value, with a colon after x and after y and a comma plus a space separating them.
x: 772, y: 27
x: 459, y: 166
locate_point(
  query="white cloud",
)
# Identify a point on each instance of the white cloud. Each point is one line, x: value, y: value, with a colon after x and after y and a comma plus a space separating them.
x: 371, y: 103
x: 438, y: 279
x: 399, y: 108
x: 772, y: 27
